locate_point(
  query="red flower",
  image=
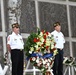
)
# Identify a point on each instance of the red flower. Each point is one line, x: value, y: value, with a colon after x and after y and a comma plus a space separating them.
x: 42, y: 45
x: 43, y: 31
x: 44, y: 36
x: 44, y: 41
x: 30, y: 59
x: 51, y: 62
x: 47, y: 47
x: 36, y: 40
x: 54, y: 44
x: 38, y: 50
x: 53, y: 49
x: 47, y: 33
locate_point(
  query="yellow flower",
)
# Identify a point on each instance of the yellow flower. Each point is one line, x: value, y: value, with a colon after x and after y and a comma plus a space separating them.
x: 52, y: 46
x: 48, y: 43
x: 39, y: 43
x: 31, y: 48
x: 36, y: 46
x: 55, y: 52
x: 42, y: 39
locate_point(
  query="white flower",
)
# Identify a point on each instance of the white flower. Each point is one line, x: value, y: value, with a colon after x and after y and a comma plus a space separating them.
x: 45, y: 51
x: 37, y: 61
x: 38, y: 64
x: 49, y: 34
x: 33, y: 58
x: 48, y: 64
x: 30, y: 52
x: 41, y: 34
x: 44, y: 62
x: 42, y: 69
x: 36, y: 46
x: 49, y: 60
x: 48, y: 51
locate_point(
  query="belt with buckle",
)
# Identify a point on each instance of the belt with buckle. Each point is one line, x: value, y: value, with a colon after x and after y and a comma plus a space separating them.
x: 21, y: 49
x: 18, y: 49
x: 59, y: 48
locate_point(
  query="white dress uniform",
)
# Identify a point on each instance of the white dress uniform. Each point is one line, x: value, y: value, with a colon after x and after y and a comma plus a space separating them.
x: 15, y: 41
x: 58, y: 62
x: 17, y: 55
x: 59, y: 39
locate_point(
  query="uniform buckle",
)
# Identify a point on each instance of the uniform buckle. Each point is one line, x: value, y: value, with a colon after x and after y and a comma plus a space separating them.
x: 20, y: 49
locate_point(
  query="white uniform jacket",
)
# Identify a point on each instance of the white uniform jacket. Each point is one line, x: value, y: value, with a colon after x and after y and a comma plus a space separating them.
x: 15, y: 41
x: 59, y: 39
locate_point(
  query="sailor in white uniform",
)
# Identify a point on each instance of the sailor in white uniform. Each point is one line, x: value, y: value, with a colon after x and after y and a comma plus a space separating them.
x: 15, y: 46
x: 59, y: 39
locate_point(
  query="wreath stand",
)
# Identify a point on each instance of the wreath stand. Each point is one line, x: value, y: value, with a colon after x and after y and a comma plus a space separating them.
x: 34, y: 70
x: 68, y: 70
x: 30, y: 70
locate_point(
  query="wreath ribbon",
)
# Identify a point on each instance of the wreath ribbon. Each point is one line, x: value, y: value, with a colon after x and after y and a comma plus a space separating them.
x: 40, y: 56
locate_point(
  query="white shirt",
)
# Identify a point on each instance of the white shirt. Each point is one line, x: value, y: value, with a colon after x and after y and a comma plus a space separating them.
x: 59, y: 39
x: 15, y: 41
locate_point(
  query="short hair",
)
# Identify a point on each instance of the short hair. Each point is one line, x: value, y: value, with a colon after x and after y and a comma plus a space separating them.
x: 56, y: 24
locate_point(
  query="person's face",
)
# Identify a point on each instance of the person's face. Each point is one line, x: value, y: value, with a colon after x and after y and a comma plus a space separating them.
x: 16, y: 30
x: 58, y: 28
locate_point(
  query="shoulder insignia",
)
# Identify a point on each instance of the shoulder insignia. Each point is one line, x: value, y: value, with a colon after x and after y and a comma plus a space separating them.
x: 8, y: 39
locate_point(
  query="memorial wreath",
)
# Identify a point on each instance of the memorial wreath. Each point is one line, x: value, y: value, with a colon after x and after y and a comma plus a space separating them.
x: 40, y: 50
x: 69, y: 61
